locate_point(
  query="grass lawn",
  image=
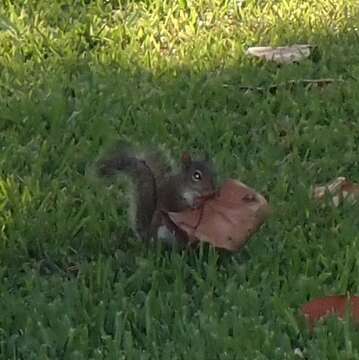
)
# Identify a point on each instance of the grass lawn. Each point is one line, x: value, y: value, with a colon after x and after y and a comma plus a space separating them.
x: 74, y: 75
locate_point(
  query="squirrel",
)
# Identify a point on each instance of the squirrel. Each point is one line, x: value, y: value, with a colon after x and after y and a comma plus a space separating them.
x: 159, y: 189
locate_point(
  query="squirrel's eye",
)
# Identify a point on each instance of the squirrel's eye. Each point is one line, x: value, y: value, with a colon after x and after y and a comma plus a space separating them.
x: 197, y: 175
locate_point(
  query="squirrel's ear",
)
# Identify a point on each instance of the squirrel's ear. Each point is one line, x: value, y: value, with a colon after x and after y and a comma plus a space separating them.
x: 186, y: 159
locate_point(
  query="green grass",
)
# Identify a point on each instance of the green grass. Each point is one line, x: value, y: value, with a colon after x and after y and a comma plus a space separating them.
x: 74, y: 282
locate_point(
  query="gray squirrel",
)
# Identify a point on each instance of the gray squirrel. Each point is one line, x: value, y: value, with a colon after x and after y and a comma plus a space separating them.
x: 159, y: 189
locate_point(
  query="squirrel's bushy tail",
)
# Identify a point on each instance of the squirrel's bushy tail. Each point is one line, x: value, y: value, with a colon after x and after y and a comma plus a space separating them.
x: 125, y: 160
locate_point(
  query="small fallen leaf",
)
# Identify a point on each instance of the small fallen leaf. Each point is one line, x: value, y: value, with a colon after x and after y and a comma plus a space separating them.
x: 298, y: 352
x: 281, y: 55
x: 339, y: 190
x: 321, y: 308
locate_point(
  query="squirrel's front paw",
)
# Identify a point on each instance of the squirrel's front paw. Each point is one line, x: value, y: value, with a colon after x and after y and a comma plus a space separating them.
x: 166, y: 236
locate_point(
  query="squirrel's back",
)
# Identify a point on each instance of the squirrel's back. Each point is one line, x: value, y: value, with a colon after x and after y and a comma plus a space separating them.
x: 157, y: 189
x: 145, y: 169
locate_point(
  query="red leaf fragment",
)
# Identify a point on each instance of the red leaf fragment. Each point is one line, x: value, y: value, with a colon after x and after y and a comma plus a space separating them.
x: 321, y: 308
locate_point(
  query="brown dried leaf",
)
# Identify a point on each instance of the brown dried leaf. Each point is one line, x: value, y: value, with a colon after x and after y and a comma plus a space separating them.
x: 281, y: 55
x: 228, y: 220
x: 339, y: 190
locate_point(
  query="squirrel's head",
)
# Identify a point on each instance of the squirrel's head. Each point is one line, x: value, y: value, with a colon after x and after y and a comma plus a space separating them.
x: 199, y: 175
